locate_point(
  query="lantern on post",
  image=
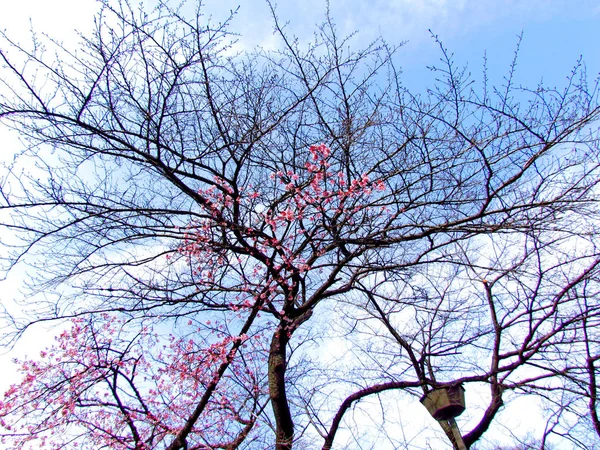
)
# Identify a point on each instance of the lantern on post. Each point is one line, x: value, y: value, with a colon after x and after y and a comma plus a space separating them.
x: 445, y: 402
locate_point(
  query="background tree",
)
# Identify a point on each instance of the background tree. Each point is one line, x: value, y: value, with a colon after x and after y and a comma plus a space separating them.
x: 207, y: 218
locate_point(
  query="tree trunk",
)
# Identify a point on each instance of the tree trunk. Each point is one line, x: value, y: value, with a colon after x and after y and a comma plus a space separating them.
x: 279, y: 402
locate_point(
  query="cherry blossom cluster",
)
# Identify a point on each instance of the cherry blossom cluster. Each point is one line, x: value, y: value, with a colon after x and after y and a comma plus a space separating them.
x: 281, y: 238
x: 100, y: 386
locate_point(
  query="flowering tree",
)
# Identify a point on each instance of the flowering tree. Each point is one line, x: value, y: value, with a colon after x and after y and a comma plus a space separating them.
x: 107, y: 384
x: 213, y: 223
x: 99, y: 387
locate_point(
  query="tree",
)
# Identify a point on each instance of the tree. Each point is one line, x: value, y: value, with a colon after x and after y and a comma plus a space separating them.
x: 204, y: 216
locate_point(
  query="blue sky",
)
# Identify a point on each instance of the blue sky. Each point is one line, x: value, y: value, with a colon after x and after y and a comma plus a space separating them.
x: 556, y: 32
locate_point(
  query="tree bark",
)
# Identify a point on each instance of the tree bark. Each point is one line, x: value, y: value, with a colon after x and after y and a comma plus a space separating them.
x: 281, y: 409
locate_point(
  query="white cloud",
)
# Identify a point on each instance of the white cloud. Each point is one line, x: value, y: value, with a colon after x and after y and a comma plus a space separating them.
x: 59, y: 18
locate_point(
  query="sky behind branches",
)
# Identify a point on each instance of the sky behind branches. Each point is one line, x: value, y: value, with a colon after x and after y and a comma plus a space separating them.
x: 555, y: 34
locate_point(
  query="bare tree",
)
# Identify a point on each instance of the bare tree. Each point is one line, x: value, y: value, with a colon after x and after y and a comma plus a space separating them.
x: 241, y: 199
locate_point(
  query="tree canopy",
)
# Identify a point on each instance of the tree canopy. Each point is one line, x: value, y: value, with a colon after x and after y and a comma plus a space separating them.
x: 248, y: 245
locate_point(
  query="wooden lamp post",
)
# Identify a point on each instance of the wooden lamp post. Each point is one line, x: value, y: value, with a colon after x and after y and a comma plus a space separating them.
x: 444, y: 404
